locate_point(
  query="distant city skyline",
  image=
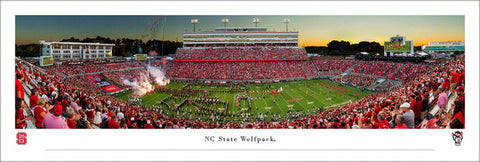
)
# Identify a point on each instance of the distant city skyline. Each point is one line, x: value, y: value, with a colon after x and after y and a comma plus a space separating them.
x: 314, y: 30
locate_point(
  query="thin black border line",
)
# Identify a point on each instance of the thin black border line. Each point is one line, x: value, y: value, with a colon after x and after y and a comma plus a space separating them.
x: 236, y: 150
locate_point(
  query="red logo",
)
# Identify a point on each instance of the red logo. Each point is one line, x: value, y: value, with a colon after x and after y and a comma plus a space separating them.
x: 21, y: 138
x: 457, y: 137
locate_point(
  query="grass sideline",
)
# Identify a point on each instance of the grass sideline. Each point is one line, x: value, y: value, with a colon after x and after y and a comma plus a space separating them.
x: 300, y: 97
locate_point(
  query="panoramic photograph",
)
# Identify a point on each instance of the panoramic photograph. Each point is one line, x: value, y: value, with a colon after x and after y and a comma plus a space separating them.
x: 239, y: 72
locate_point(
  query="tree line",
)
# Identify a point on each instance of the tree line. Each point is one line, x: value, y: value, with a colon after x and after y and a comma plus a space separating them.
x: 123, y: 46
x: 344, y: 48
x: 127, y: 47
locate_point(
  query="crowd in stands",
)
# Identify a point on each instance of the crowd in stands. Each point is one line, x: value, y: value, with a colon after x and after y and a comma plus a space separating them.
x: 92, y: 67
x: 156, y: 63
x: 119, y: 66
x: 242, y: 70
x: 118, y: 77
x: 379, y: 69
x: 116, y: 66
x: 409, y: 71
x: 375, y: 68
x: 404, y: 107
x: 135, y: 64
x: 75, y: 102
x: 241, y: 53
x: 358, y: 81
x: 330, y: 66
x: 339, y: 65
x: 430, y: 98
x: 66, y: 69
x: 386, y: 85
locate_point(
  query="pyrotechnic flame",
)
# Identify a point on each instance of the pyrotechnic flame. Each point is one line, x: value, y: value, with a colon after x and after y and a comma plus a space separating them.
x: 143, y: 85
x: 159, y: 76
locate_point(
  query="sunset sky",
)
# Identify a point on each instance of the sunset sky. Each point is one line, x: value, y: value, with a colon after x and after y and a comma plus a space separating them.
x: 313, y: 30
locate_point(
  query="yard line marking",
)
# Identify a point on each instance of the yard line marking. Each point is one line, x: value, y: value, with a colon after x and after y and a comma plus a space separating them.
x: 284, y: 99
x: 318, y: 94
x: 254, y: 108
x: 297, y: 101
x: 286, y: 102
x: 278, y: 107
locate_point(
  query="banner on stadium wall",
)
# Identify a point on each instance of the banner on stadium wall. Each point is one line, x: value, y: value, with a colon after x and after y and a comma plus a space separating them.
x: 105, y: 85
x: 141, y: 57
x: 46, y: 60
x: 111, y: 88
x: 95, y: 78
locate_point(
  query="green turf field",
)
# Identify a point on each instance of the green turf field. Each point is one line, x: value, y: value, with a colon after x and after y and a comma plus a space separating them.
x: 301, y: 97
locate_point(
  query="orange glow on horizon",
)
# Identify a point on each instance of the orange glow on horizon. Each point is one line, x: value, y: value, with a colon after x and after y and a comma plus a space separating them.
x: 415, y: 43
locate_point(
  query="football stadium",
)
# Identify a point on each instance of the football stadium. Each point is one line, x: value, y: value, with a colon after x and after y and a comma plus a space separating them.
x: 237, y: 78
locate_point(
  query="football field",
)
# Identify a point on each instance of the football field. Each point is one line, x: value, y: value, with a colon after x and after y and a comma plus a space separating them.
x: 270, y: 101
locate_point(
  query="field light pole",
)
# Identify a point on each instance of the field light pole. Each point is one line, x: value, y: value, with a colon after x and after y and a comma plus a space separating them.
x: 225, y: 21
x: 256, y: 21
x: 286, y: 21
x: 194, y: 21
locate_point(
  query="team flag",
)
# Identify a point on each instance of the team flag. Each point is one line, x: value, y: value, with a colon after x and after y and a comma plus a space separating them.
x: 274, y: 91
x: 277, y: 90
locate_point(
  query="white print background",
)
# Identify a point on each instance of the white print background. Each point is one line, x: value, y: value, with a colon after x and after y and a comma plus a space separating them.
x: 440, y: 140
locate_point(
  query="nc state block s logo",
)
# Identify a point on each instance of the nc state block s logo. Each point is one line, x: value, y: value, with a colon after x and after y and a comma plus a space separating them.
x: 21, y: 138
x: 457, y: 137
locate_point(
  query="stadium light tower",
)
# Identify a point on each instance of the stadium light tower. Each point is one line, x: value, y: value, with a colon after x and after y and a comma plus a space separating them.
x: 194, y: 21
x: 286, y: 21
x: 256, y: 21
x: 225, y: 21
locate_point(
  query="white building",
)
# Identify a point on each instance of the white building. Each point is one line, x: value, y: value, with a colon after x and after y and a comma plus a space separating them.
x: 436, y: 47
x: 75, y: 50
x: 240, y: 36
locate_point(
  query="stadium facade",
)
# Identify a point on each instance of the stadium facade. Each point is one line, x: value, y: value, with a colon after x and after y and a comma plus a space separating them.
x: 75, y: 50
x: 439, y: 47
x: 241, y: 54
x: 240, y: 36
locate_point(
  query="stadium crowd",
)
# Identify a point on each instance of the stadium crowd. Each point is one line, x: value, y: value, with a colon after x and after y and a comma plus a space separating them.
x: 92, y: 67
x: 329, y: 64
x: 410, y: 71
x: 65, y: 69
x: 118, y: 77
x: 358, y: 81
x: 241, y: 53
x: 157, y: 63
x: 241, y: 70
x: 428, y: 99
x: 375, y: 68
